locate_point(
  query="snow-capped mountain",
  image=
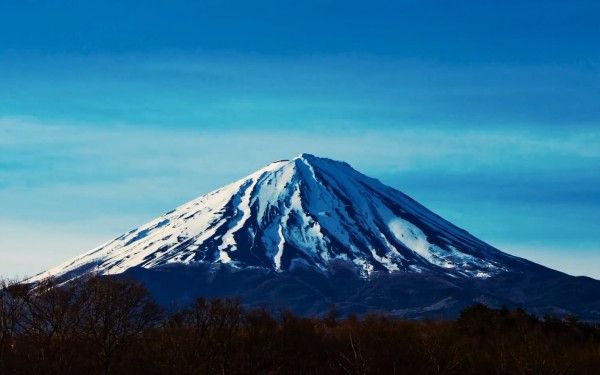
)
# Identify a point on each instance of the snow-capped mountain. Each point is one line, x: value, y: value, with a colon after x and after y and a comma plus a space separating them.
x: 306, y: 212
x: 311, y: 232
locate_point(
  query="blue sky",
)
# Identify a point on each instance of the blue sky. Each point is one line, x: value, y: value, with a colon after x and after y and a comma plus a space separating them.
x: 114, y: 112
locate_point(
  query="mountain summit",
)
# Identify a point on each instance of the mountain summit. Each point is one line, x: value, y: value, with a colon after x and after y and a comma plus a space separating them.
x: 304, y: 212
x: 299, y: 222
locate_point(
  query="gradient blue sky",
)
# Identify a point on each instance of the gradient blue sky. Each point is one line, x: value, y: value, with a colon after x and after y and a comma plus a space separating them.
x: 486, y: 112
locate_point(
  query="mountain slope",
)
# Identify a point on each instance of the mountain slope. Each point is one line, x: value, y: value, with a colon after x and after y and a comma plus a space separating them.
x: 292, y: 228
x: 306, y: 211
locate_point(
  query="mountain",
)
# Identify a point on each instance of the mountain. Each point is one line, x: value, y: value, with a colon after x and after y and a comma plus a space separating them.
x: 311, y: 232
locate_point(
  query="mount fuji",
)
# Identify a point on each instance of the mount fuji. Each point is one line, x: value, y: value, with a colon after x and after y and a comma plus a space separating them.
x: 309, y: 233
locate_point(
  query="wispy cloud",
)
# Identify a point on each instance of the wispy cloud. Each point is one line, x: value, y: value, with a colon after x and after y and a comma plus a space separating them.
x: 75, y: 152
x: 253, y: 90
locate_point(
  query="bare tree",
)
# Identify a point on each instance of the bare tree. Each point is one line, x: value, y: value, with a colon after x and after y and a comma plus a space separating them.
x: 115, y: 312
x: 51, y: 322
x: 12, y: 311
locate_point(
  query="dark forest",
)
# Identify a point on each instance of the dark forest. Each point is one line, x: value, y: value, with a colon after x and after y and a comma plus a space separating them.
x: 111, y: 326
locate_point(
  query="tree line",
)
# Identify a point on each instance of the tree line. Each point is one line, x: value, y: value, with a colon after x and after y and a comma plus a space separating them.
x: 105, y: 325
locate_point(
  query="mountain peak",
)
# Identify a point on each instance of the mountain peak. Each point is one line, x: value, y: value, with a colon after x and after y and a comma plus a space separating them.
x: 303, y: 158
x: 317, y: 159
x: 305, y: 212
x: 306, y: 155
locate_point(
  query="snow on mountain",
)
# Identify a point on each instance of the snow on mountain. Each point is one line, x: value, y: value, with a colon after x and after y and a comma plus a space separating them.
x: 308, y: 211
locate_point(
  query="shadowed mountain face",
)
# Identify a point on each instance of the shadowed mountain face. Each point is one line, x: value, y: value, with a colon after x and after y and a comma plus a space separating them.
x: 311, y: 232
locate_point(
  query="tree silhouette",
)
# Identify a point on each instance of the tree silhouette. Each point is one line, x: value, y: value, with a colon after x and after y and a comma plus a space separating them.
x: 105, y: 325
